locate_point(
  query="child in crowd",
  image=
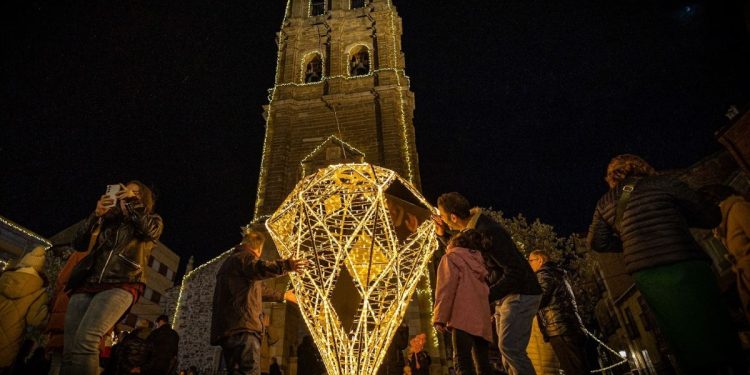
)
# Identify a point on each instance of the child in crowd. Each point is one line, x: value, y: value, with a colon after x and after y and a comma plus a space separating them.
x: 462, y: 302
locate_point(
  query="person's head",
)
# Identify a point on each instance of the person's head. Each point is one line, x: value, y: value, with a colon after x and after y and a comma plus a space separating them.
x: 253, y: 240
x: 627, y: 165
x: 469, y: 239
x: 455, y: 210
x: 144, y: 194
x: 537, y: 258
x: 273, y: 360
x: 716, y: 193
x: 162, y: 320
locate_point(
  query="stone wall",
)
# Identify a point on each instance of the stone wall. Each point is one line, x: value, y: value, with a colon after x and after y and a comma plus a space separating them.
x: 192, y: 318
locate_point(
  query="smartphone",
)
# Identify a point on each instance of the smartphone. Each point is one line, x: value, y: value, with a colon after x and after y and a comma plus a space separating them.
x: 112, y: 191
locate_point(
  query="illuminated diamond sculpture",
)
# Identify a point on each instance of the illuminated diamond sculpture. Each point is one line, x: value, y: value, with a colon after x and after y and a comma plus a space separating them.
x: 367, y: 234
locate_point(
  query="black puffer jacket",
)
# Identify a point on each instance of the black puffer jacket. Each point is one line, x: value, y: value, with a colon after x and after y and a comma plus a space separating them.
x: 239, y: 293
x: 124, y: 243
x: 557, y: 309
x: 655, y: 223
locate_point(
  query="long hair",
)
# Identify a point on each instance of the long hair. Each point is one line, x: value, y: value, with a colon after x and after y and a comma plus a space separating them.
x: 627, y: 165
x: 147, y: 196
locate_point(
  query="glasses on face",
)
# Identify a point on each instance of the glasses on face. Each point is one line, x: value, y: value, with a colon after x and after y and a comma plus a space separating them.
x: 533, y: 259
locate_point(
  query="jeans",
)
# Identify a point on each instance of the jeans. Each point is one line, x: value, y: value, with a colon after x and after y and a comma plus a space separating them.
x: 470, y: 353
x: 89, y: 317
x: 571, y: 352
x: 55, y: 363
x: 513, y: 317
x: 242, y: 353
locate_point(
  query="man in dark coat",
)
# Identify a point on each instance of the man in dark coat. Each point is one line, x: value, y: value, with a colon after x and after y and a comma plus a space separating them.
x: 647, y: 217
x: 236, y: 324
x: 163, y: 342
x: 514, y: 290
x: 558, y: 315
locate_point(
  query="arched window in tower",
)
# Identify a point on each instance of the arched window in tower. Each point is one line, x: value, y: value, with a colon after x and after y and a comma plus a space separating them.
x: 313, y: 68
x: 359, y: 61
x: 317, y: 7
x: 357, y: 4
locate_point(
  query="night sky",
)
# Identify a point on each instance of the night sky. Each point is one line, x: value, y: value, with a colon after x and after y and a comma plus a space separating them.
x: 519, y: 104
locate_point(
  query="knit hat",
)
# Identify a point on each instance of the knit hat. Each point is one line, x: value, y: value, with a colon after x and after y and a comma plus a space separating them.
x: 34, y: 259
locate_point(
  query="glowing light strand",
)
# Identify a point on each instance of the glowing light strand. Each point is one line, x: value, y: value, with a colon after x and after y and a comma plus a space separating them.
x: 339, y: 219
x: 27, y: 232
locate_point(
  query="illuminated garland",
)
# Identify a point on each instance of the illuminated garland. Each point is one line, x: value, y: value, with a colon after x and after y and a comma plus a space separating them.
x: 27, y: 232
x: 320, y: 146
x: 340, y: 220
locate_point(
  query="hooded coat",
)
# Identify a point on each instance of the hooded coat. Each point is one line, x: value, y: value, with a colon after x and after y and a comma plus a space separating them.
x: 461, y: 293
x: 23, y: 301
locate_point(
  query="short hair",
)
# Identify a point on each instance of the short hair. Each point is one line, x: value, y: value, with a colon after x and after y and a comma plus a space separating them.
x: 162, y: 318
x: 470, y: 239
x: 254, y: 238
x: 455, y: 203
x: 540, y: 253
x: 627, y: 165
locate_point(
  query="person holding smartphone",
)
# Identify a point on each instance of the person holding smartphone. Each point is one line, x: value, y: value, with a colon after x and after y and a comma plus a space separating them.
x: 119, y: 235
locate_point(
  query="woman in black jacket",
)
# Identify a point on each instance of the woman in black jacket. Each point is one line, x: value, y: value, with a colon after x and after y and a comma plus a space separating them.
x: 647, y: 217
x: 119, y: 236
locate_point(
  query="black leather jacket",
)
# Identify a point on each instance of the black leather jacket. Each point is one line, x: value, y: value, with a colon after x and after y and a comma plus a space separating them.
x: 557, y: 311
x: 124, y: 243
x: 655, y: 223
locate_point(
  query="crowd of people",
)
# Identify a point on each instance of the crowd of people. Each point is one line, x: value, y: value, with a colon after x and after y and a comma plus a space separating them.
x: 485, y: 288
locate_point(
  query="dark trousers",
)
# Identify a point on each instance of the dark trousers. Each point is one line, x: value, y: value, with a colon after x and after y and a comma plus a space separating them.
x: 570, y: 352
x: 470, y: 354
x: 241, y: 353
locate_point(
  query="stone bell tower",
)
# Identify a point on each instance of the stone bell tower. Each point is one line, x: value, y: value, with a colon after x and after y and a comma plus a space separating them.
x: 341, y: 94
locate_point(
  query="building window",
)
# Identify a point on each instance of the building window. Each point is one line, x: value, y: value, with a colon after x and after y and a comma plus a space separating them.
x: 313, y: 68
x: 155, y: 264
x: 170, y: 274
x: 357, y: 4
x: 163, y: 269
x: 317, y: 7
x: 359, y: 61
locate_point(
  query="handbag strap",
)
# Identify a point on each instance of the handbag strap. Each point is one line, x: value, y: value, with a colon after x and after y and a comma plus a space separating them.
x: 622, y: 203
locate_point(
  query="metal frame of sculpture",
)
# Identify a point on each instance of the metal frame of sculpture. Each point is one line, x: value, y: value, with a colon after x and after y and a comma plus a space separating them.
x: 368, y: 236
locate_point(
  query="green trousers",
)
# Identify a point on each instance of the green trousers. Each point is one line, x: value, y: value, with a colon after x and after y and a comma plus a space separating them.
x: 691, y: 314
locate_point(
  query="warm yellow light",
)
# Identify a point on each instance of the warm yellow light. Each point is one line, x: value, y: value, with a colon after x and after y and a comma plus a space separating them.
x: 365, y: 264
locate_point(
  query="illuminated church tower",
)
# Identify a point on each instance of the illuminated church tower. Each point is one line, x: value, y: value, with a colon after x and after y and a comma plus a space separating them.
x: 341, y: 95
